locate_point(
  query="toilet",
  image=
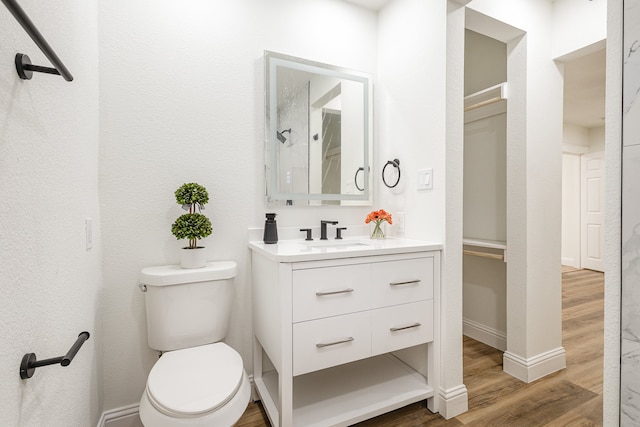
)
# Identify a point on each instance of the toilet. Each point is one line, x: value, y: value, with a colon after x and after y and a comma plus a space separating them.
x: 198, y: 380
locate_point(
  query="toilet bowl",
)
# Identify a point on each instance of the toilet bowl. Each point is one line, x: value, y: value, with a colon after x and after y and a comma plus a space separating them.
x: 199, y: 386
x: 199, y: 380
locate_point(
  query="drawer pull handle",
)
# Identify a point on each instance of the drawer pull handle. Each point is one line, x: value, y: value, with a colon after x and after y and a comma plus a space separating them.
x: 408, y: 282
x: 327, y: 344
x: 402, y: 328
x: 343, y: 291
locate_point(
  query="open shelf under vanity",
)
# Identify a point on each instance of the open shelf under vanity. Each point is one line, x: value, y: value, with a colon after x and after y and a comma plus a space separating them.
x: 349, y: 393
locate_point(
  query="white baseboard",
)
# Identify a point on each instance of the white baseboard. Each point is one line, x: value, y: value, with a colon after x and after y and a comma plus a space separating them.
x: 484, y: 334
x: 533, y: 368
x: 570, y: 262
x: 453, y: 401
x: 127, y: 416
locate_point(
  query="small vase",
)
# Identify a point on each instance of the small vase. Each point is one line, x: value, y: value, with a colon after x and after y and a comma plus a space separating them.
x: 378, y: 232
x: 193, y: 258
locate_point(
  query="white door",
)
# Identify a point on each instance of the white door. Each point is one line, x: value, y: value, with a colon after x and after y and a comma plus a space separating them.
x: 592, y: 227
x: 571, y: 209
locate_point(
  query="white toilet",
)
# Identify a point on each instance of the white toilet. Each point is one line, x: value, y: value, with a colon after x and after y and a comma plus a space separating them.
x: 198, y: 381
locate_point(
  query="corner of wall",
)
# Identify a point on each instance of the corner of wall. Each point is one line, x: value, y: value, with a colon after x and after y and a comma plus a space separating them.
x: 613, y: 155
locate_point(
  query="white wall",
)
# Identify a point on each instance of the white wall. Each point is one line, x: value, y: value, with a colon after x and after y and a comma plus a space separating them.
x: 485, y: 217
x: 613, y: 155
x: 485, y: 178
x: 411, y: 125
x: 50, y: 284
x: 410, y: 119
x: 578, y: 24
x: 485, y: 300
x: 181, y: 100
x: 485, y: 62
x: 575, y: 137
x: 485, y: 151
x: 597, y: 139
x: 580, y: 140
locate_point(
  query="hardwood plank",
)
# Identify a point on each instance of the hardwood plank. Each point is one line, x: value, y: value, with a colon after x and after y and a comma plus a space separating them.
x: 254, y: 416
x: 588, y: 414
x: 534, y: 405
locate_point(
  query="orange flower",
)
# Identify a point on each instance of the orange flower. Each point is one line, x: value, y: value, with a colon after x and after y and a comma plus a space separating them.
x: 378, y: 217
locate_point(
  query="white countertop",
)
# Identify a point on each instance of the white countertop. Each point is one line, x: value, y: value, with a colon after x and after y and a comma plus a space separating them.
x: 315, y: 250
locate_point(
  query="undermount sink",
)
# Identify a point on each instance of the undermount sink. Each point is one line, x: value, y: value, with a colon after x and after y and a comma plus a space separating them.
x: 334, y: 243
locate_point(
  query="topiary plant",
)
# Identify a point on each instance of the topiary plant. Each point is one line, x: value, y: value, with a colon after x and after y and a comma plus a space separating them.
x: 192, y: 225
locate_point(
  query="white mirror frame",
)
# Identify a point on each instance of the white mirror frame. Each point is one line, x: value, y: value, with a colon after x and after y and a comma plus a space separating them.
x: 273, y: 61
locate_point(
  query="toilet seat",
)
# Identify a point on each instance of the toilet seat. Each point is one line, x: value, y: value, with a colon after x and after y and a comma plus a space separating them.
x: 195, y: 381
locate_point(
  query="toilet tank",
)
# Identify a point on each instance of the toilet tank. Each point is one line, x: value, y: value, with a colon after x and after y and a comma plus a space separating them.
x: 187, y: 307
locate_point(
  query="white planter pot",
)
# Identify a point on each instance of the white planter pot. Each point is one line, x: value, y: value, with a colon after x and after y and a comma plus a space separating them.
x: 193, y: 258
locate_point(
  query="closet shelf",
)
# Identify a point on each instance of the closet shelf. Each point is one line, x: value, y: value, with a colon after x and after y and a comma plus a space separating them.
x: 497, y: 248
x: 485, y: 97
x: 484, y: 243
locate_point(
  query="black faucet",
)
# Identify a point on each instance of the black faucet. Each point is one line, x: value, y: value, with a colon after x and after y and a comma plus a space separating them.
x: 323, y: 228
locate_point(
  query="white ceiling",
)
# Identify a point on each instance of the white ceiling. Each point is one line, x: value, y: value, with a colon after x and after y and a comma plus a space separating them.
x: 369, y: 4
x: 584, y: 82
x: 584, y: 90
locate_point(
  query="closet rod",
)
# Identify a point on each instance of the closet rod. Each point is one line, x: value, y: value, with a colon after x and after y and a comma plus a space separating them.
x: 483, y: 103
x: 23, y: 64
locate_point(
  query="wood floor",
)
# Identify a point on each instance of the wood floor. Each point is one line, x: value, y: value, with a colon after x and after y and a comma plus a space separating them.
x: 571, y: 397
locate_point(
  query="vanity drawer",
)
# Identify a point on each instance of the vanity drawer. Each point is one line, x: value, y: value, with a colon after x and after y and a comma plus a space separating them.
x: 402, y: 326
x: 403, y: 281
x: 330, y: 291
x: 323, y: 343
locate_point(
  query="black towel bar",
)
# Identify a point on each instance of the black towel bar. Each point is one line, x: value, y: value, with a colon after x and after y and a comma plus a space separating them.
x: 29, y: 363
x: 23, y: 64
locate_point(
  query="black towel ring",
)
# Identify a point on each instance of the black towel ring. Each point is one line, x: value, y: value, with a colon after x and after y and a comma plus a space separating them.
x: 396, y: 164
x: 355, y: 178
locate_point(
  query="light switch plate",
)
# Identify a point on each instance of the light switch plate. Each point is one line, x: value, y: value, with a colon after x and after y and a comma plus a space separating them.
x: 425, y: 179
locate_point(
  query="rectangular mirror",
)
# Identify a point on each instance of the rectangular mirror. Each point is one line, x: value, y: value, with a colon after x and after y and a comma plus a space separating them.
x: 318, y: 133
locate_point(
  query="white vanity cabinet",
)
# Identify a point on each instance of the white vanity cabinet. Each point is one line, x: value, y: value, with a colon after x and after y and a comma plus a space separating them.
x: 345, y: 336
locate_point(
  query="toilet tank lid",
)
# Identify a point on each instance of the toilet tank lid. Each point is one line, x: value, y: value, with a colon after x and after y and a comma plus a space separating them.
x: 174, y: 274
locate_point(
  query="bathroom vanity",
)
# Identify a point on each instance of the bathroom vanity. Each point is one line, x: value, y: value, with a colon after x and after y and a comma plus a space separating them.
x: 344, y: 330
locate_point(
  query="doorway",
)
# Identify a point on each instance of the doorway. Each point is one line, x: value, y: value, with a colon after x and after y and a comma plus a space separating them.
x: 484, y: 268
x: 583, y: 161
